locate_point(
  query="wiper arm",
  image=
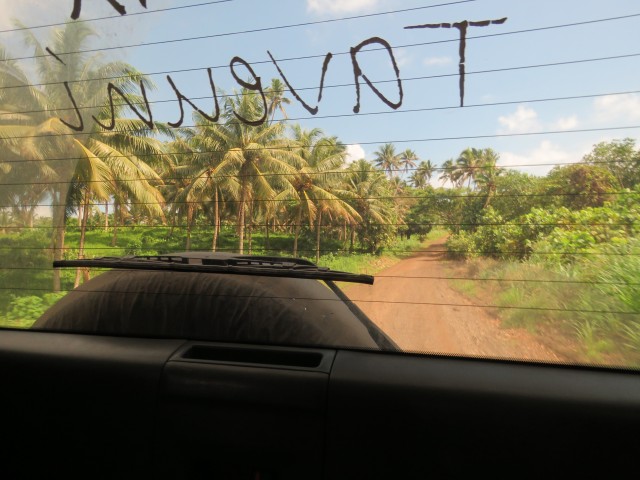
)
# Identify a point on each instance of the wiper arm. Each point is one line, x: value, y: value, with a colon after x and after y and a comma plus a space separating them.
x: 239, y: 265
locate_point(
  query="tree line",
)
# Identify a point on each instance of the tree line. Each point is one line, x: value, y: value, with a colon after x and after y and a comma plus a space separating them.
x: 276, y: 176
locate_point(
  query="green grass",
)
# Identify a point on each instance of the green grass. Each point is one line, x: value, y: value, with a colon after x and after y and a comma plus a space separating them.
x: 26, y: 272
x: 577, y: 292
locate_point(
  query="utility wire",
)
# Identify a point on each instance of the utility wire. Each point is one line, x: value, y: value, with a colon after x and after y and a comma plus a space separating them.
x: 434, y: 224
x: 339, y: 300
x: 379, y: 197
x: 243, y: 32
x: 307, y: 57
x: 145, y: 12
x: 419, y: 277
x: 166, y: 181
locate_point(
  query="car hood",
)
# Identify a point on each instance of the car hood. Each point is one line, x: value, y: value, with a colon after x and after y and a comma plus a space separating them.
x: 208, y: 306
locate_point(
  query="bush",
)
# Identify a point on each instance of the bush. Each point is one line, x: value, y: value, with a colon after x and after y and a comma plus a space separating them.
x: 461, y: 246
x: 25, y: 310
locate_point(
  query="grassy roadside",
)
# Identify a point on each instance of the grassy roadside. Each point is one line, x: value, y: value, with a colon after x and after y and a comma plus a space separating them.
x: 562, y: 307
x: 28, y: 270
x: 372, y: 264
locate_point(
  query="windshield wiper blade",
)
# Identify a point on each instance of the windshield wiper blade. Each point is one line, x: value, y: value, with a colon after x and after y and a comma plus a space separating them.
x: 237, y: 264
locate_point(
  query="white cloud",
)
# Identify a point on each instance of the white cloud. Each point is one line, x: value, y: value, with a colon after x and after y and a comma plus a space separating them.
x: 436, y: 61
x: 617, y: 108
x: 354, y: 152
x: 524, y: 119
x: 542, y: 158
x: 402, y: 57
x: 565, y: 123
x: 339, y: 6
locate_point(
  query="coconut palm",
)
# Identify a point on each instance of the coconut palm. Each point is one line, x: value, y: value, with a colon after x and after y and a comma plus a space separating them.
x: 488, y: 173
x: 468, y: 163
x: 82, y: 160
x: 423, y: 173
x: 408, y: 159
x: 387, y: 159
x: 314, y: 184
x: 369, y: 194
x: 450, y: 173
x: 248, y: 154
x: 276, y: 99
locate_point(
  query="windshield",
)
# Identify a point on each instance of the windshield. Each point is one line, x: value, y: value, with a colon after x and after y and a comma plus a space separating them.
x: 479, y: 158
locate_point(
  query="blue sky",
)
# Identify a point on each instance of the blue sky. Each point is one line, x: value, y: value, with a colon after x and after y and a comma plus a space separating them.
x: 416, y: 119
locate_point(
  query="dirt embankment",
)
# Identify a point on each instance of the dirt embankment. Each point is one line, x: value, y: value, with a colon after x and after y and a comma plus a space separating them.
x: 418, y: 309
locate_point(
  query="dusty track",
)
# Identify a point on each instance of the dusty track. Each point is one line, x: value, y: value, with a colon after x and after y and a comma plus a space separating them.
x: 453, y: 328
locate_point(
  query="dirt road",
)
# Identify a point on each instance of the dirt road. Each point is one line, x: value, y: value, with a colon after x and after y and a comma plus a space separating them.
x: 426, y: 325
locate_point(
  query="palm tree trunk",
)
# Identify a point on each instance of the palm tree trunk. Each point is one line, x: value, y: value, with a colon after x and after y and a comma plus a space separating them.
x: 241, y: 206
x: 297, y: 231
x: 106, y: 216
x: 58, y: 238
x: 116, y: 218
x: 318, y: 235
x: 267, y: 243
x: 353, y: 237
x: 250, y: 227
x: 189, y: 218
x: 83, y: 272
x: 216, y: 222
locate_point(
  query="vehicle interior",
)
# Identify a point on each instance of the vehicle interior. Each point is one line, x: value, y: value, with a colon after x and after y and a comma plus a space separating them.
x: 245, y: 366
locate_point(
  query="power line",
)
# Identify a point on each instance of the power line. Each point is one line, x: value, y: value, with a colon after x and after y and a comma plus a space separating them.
x: 124, y: 132
x: 242, y: 32
x: 346, y: 172
x: 146, y: 12
x: 308, y: 57
x: 393, y: 224
x: 398, y: 277
x: 378, y: 197
x: 356, y: 300
x: 341, y: 85
x: 521, y: 253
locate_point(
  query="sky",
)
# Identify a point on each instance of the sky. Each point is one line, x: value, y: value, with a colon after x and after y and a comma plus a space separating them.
x: 511, y: 101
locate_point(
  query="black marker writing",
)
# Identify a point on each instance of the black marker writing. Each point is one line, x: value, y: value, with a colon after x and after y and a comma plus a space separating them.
x: 77, y: 6
x: 462, y: 28
x: 77, y: 128
x: 111, y: 88
x: 54, y: 55
x: 255, y: 87
x: 182, y: 97
x: 357, y: 73
x: 325, y: 65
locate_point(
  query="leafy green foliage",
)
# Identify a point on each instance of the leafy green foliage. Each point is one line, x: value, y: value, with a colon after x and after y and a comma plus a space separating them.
x: 620, y: 158
x: 580, y: 186
x: 25, y: 310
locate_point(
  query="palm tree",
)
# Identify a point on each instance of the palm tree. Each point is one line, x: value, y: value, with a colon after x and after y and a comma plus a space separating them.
x: 369, y: 194
x: 486, y: 177
x: 422, y: 175
x: 276, y: 99
x: 408, y: 159
x: 313, y: 186
x: 248, y: 154
x: 92, y: 163
x: 450, y: 173
x: 387, y: 159
x: 468, y: 163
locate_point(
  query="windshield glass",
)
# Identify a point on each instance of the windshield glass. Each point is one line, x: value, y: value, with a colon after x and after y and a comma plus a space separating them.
x: 480, y: 158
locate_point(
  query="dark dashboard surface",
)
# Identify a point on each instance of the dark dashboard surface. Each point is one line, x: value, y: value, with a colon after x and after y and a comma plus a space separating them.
x: 109, y: 407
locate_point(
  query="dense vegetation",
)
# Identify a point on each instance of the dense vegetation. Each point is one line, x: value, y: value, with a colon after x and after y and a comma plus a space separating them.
x: 119, y: 187
x: 565, y: 245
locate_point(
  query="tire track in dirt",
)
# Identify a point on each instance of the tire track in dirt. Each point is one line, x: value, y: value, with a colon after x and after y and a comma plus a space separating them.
x: 450, y: 329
